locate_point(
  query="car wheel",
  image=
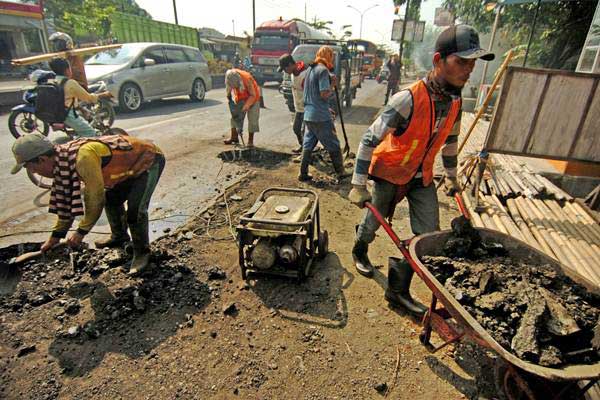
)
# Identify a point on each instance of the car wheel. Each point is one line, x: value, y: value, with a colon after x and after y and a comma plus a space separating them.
x: 130, y: 98
x: 198, y: 90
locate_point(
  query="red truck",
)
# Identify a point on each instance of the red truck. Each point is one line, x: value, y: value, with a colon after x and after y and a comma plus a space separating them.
x: 272, y: 39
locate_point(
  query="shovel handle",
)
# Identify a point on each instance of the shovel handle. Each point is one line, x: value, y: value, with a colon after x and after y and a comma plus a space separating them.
x: 461, y: 206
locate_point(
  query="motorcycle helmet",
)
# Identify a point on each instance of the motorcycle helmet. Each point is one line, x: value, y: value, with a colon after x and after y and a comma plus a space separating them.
x: 61, y: 41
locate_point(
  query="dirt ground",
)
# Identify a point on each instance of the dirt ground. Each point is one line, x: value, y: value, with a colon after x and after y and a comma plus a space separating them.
x: 186, y: 330
x: 331, y: 337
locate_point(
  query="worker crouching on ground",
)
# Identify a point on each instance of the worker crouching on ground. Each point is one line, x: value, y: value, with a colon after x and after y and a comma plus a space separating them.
x: 112, y: 170
x: 398, y: 153
x: 298, y: 71
x: 318, y: 114
x: 243, y: 91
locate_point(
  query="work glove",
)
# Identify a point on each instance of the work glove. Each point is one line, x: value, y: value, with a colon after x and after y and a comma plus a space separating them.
x: 452, y: 186
x: 359, y: 195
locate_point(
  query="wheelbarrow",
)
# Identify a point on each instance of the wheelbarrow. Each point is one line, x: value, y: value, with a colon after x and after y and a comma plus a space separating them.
x: 518, y: 379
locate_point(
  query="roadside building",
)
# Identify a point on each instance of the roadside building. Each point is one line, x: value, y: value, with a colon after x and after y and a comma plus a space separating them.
x: 22, y: 31
x: 589, y: 61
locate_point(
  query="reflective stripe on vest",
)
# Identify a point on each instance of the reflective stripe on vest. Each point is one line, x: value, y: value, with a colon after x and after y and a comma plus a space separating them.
x: 398, y: 158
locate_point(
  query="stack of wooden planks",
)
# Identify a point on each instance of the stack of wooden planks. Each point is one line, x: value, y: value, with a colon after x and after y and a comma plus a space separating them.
x: 518, y: 202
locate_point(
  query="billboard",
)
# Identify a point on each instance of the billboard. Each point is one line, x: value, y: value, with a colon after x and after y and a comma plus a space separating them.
x: 443, y: 17
x: 22, y: 8
x: 415, y: 30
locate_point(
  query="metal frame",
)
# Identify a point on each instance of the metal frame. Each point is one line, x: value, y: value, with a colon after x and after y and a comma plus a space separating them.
x: 499, y: 111
x: 309, y: 230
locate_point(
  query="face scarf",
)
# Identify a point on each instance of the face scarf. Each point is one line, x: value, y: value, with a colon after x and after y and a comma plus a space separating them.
x: 443, y: 89
x: 325, y: 56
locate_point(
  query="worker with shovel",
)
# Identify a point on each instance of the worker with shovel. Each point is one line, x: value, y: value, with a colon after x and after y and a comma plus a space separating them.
x: 91, y: 174
x: 319, y: 87
x: 244, y: 96
x: 398, y: 152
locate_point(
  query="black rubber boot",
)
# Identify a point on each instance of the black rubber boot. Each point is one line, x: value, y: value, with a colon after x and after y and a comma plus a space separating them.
x: 338, y: 165
x: 115, y: 214
x: 361, y: 259
x: 397, y: 293
x: 306, y: 160
x: 141, y: 247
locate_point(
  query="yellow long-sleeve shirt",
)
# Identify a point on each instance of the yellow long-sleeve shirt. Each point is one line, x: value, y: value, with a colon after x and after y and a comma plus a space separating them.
x: 89, y: 168
x: 74, y: 93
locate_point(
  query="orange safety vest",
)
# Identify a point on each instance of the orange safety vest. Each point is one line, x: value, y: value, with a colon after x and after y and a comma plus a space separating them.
x: 247, y: 81
x: 125, y: 164
x: 397, y: 158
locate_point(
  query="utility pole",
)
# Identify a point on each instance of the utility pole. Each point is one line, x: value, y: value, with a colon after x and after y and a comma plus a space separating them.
x: 304, y: 11
x: 175, y: 12
x: 253, y: 17
x: 233, y: 23
x: 402, y: 39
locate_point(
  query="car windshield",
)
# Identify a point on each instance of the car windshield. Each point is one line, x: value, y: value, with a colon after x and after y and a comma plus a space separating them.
x: 270, y: 42
x: 114, y: 57
x: 307, y: 53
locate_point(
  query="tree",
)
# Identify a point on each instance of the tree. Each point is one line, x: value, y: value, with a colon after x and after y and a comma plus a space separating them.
x: 414, y: 14
x: 88, y: 19
x: 561, y: 28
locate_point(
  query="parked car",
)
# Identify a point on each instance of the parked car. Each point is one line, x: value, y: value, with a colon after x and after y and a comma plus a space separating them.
x: 140, y: 72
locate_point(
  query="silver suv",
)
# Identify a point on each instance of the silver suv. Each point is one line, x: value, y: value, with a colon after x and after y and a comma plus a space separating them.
x: 140, y: 72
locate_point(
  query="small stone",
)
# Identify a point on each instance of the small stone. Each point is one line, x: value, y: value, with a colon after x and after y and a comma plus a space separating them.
x: 73, y: 331
x: 139, y: 303
x: 216, y: 273
x: 381, y: 388
x: 72, y: 307
x: 167, y: 230
x: 273, y: 366
x: 230, y: 309
x: 213, y: 334
x: 235, y: 197
x: 23, y: 351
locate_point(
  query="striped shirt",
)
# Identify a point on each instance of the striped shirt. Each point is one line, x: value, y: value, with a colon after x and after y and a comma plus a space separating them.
x: 395, y: 119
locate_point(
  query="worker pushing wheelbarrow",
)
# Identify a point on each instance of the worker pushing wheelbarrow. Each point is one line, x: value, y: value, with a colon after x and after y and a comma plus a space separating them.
x: 399, y: 149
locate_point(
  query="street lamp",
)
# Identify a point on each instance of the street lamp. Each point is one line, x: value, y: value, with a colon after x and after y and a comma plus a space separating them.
x: 361, y: 15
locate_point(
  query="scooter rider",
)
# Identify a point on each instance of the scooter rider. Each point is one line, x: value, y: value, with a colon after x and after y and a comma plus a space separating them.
x: 73, y: 94
x: 61, y: 41
x: 398, y: 152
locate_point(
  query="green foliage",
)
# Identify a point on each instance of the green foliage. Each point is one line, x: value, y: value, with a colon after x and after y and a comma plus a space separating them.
x: 560, y: 33
x: 88, y: 19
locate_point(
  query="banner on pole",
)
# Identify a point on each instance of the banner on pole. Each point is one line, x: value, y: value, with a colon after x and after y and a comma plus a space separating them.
x: 443, y: 17
x: 415, y: 30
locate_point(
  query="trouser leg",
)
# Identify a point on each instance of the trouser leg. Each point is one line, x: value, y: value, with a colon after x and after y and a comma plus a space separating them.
x: 137, y: 213
x: 298, y: 120
x: 423, y: 208
x: 79, y: 125
x: 384, y: 194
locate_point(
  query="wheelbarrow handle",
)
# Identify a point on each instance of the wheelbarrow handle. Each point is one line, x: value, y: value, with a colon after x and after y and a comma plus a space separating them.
x: 397, y: 241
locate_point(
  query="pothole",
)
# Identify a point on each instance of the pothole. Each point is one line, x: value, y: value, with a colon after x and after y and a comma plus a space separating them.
x: 260, y: 157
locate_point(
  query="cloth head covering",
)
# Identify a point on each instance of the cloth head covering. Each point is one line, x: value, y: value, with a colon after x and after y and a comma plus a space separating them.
x: 325, y: 56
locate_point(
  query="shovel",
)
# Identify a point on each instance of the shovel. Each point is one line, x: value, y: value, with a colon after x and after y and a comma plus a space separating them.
x: 32, y: 255
x: 461, y: 225
x: 346, y: 150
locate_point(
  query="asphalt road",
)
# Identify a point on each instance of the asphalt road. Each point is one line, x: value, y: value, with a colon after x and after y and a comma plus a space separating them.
x: 190, y: 134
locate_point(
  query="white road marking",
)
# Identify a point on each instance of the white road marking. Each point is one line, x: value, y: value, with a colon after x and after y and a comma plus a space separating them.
x: 164, y: 121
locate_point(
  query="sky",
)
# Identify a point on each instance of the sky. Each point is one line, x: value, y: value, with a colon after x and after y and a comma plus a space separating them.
x: 224, y: 14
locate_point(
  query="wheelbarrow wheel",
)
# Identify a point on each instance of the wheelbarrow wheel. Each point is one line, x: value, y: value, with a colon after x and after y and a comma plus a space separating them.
x: 510, y: 385
x: 323, y: 244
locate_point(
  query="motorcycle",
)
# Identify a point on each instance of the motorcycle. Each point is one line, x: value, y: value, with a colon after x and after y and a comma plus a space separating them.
x: 22, y: 119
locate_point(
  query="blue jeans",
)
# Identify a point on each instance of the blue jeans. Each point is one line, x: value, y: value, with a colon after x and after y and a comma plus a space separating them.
x: 81, y: 127
x: 322, y: 131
